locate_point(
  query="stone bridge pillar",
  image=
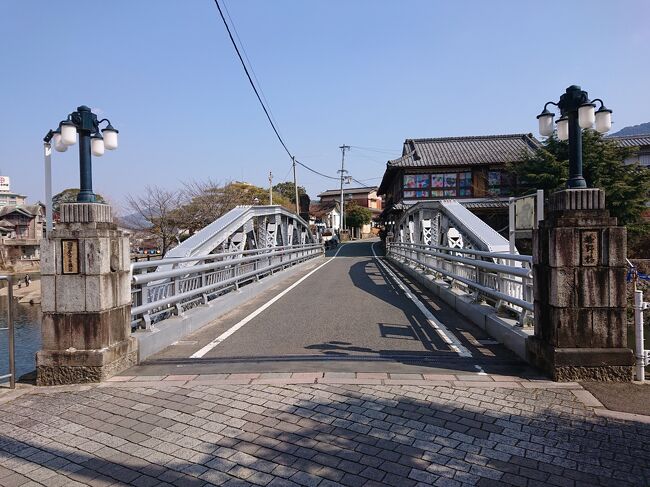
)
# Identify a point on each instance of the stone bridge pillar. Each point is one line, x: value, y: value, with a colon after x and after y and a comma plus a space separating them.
x: 579, y: 271
x: 86, y: 298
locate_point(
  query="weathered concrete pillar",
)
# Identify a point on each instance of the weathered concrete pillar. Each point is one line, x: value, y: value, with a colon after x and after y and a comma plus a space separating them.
x: 86, y: 298
x: 579, y: 271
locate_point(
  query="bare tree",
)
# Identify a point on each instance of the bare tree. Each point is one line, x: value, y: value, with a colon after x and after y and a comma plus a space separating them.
x: 156, y: 212
x: 208, y: 200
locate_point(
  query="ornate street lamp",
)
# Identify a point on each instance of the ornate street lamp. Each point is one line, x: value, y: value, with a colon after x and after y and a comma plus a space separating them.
x: 577, y: 113
x: 92, y: 141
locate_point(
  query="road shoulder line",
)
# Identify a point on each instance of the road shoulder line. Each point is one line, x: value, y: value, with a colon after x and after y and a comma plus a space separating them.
x: 201, y: 352
x: 443, y: 332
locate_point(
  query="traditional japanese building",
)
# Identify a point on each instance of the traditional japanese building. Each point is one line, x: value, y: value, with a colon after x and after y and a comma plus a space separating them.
x: 640, y: 142
x: 469, y: 169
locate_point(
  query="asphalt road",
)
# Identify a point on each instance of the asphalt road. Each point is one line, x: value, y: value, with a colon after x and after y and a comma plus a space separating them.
x: 351, y: 313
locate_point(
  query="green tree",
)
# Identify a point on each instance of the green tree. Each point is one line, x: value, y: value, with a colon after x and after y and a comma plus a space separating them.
x: 357, y: 216
x: 627, y: 186
x: 70, y: 196
x: 207, y: 201
x: 287, y: 190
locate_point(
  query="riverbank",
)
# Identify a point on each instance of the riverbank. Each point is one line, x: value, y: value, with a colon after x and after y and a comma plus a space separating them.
x: 26, y: 294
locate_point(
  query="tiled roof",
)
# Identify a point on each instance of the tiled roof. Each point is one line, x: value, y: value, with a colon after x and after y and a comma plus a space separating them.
x: 319, y: 210
x: 631, y: 140
x: 337, y: 192
x: 27, y: 210
x: 466, y: 151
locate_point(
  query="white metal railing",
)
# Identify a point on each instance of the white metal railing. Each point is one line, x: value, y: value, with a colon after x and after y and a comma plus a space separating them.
x: 171, y: 286
x: 10, y: 330
x: 503, y: 278
x: 641, y: 354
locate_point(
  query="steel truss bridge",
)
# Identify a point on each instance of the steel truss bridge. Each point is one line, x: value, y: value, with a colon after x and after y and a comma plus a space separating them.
x: 244, y: 245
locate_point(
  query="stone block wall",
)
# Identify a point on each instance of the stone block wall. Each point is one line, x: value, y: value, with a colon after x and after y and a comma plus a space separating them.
x: 579, y: 271
x: 87, y: 313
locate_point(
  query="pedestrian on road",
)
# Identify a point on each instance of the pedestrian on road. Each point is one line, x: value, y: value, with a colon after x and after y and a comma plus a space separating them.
x: 27, y: 280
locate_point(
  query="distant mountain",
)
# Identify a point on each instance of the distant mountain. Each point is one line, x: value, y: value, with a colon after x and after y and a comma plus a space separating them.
x: 133, y: 221
x: 641, y: 129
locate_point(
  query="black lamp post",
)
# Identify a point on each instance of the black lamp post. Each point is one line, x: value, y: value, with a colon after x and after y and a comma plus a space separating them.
x: 577, y: 113
x: 91, y: 142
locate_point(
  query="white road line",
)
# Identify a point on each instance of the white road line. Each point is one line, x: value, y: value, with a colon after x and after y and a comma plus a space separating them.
x: 448, y: 337
x: 200, y: 353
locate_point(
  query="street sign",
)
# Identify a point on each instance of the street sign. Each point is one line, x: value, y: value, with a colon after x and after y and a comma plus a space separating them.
x: 525, y: 213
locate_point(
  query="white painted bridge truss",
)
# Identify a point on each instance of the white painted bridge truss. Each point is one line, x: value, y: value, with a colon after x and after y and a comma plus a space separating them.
x: 244, y: 245
x: 246, y: 228
x: 446, y: 239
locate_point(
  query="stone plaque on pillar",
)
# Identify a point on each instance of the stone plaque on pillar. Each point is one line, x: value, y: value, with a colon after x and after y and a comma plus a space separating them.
x: 86, y: 298
x: 579, y: 269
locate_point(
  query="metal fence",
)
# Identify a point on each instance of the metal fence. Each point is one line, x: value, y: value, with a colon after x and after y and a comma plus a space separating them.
x: 171, y: 286
x: 501, y: 278
x: 10, y: 330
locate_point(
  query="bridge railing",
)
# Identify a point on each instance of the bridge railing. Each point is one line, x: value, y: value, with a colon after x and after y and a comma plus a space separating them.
x: 166, y: 287
x: 502, y: 279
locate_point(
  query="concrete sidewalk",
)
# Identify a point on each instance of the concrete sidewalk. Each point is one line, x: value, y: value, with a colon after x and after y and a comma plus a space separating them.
x: 318, y: 429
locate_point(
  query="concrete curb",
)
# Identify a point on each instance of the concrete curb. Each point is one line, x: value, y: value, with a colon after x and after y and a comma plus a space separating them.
x: 485, y: 317
x: 169, y: 331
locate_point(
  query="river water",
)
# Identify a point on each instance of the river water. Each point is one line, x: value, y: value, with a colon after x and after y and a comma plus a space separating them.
x: 27, y: 323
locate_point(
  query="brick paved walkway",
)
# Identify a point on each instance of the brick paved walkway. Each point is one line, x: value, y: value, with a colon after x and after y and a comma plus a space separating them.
x: 195, y: 431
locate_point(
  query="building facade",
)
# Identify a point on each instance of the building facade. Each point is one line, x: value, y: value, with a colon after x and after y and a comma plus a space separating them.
x: 21, y: 231
x: 469, y: 169
x: 366, y: 197
x: 7, y: 197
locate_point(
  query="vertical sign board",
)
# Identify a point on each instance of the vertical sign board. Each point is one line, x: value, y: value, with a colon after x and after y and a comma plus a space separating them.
x: 525, y: 213
x: 589, y: 248
x: 70, y: 253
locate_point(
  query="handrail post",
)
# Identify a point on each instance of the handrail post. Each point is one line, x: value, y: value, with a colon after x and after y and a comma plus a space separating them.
x: 10, y: 330
x: 639, y: 336
x: 10, y: 326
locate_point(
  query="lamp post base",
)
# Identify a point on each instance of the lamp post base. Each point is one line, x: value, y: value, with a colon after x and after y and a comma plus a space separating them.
x: 579, y: 271
x: 85, y: 298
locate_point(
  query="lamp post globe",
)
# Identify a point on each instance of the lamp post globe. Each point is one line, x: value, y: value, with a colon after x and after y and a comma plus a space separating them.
x: 577, y: 112
x: 82, y: 126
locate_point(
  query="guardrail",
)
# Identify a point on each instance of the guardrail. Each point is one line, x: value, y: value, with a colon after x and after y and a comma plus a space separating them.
x: 171, y: 286
x: 506, y: 279
x: 641, y: 353
x: 10, y: 330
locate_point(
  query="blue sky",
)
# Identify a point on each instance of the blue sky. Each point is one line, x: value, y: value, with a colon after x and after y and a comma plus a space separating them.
x: 362, y: 72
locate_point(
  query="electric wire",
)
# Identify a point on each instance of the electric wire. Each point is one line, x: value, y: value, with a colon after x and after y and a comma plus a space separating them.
x: 250, y: 64
x: 250, y: 80
x: 316, y: 172
x: 375, y: 149
x: 257, y: 94
x: 362, y: 184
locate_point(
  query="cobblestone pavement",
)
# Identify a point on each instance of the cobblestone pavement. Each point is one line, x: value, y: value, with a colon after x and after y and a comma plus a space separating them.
x: 189, y: 431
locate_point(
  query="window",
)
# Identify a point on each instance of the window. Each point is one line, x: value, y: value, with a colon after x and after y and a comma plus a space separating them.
x: 454, y: 184
x: 500, y: 183
x: 415, y: 185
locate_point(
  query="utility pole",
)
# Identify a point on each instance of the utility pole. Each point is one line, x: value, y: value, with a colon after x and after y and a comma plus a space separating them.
x: 295, y: 184
x: 270, y: 188
x: 343, y: 171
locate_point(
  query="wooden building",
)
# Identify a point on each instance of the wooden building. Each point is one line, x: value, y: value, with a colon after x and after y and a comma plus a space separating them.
x: 469, y: 169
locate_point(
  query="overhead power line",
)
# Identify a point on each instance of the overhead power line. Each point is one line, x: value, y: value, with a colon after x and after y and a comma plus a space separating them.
x: 250, y: 64
x: 250, y: 80
x: 315, y: 171
x: 257, y: 94
x: 376, y: 149
x: 362, y: 184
